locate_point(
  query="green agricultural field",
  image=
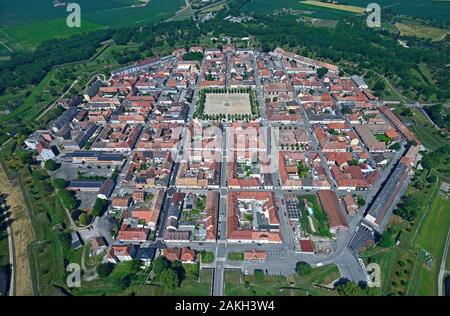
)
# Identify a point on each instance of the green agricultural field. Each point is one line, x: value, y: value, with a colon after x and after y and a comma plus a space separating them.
x: 268, y: 6
x: 14, y: 13
x: 156, y: 10
x: 439, y: 10
x: 30, y: 35
x: 418, y: 30
x: 321, y: 22
x: 340, y: 7
x: 30, y: 22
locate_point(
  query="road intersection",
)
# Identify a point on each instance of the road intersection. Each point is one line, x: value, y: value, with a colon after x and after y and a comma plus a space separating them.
x: 281, y: 258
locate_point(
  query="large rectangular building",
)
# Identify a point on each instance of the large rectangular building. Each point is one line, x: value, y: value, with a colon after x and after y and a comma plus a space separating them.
x: 252, y: 217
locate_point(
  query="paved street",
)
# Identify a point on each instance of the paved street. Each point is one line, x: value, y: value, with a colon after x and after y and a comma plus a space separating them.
x: 281, y: 258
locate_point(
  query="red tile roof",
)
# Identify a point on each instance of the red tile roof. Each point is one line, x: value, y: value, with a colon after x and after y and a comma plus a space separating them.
x: 330, y: 204
x: 306, y: 245
x: 187, y: 254
x: 172, y: 254
x: 255, y: 255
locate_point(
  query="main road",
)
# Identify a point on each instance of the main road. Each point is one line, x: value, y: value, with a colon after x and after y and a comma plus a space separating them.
x: 282, y: 258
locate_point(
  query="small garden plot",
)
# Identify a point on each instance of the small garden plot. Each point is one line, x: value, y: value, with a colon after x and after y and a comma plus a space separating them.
x: 313, y: 220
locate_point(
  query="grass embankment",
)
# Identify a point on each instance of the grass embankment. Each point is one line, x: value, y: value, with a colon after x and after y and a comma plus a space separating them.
x: 26, y: 104
x: 22, y: 232
x: 430, y: 136
x: 44, y: 246
x: 412, y: 267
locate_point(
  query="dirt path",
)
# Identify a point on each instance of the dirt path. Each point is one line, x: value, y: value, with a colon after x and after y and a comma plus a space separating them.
x: 22, y: 233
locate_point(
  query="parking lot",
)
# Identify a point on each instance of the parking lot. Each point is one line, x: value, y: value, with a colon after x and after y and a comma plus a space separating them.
x: 87, y: 199
x: 292, y: 209
x: 275, y: 255
x: 70, y: 171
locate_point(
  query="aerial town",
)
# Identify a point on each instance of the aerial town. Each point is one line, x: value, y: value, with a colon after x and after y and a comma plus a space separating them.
x: 274, y: 155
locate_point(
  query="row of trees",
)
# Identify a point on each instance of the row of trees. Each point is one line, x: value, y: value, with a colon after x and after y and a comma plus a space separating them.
x: 376, y: 50
x: 411, y: 204
x: 100, y: 207
x: 254, y: 103
x: 68, y: 199
x: 382, y: 53
x: 200, y: 108
x: 122, y: 275
x: 348, y: 288
x: 192, y: 56
x: 439, y: 116
x: 26, y: 67
x: 296, y: 146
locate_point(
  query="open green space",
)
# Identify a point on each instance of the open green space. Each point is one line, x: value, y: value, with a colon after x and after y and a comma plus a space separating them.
x: 25, y: 105
x: 430, y: 137
x: 319, y: 218
x: 439, y: 10
x: 51, y: 252
x: 411, y: 266
x: 236, y: 256
x: 419, y: 30
x: 340, y: 7
x: 31, y: 35
x: 267, y: 6
x: 432, y: 237
x: 207, y: 256
x: 29, y: 22
x: 272, y: 285
x: 138, y: 287
x: 447, y: 263
x: 107, y: 13
x: 30, y: 106
x: 383, y: 138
